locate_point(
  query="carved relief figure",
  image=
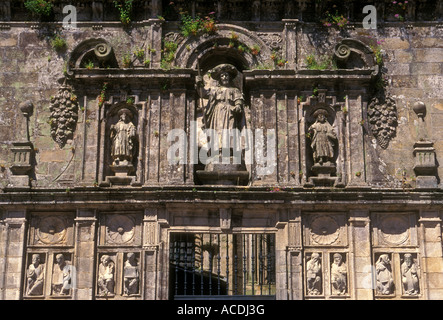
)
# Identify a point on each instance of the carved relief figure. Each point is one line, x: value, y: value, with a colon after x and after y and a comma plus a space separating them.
x: 61, y: 278
x: 385, y: 281
x: 123, y: 135
x: 225, y: 106
x: 131, y: 275
x: 338, y: 275
x: 106, y: 275
x: 322, y: 137
x: 313, y: 274
x: 409, y: 275
x: 35, y: 277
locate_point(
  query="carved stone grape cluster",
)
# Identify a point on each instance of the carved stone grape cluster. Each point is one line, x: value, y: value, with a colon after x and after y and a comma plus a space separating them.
x: 383, y: 120
x: 64, y: 115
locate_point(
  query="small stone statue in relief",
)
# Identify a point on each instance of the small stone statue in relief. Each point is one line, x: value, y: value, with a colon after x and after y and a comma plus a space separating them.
x: 322, y: 137
x: 338, y: 275
x: 61, y: 278
x: 106, y: 275
x: 123, y: 135
x: 313, y: 274
x: 35, y: 277
x: 131, y: 275
x: 385, y: 281
x: 225, y: 106
x: 409, y: 275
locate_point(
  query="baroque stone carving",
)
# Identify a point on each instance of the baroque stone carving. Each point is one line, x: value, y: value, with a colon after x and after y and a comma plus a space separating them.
x: 272, y: 40
x: 64, y: 115
x: 61, y: 276
x: 314, y: 274
x: 35, y: 277
x: 339, y: 273
x: 323, y: 138
x: 51, y: 230
x: 123, y: 135
x: 106, y: 276
x: 385, y: 280
x: 223, y: 118
x: 394, y: 230
x: 131, y: 275
x: 324, y: 230
x: 409, y: 275
x: 120, y: 229
x: 383, y: 119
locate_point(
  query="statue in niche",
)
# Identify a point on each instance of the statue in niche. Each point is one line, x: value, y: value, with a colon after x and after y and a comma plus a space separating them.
x: 313, y: 274
x: 5, y: 11
x: 338, y: 275
x: 131, y: 275
x: 106, y: 275
x: 226, y: 102
x: 409, y: 275
x: 123, y: 135
x: 97, y: 11
x: 61, y: 278
x: 323, y: 138
x: 385, y: 281
x: 35, y: 277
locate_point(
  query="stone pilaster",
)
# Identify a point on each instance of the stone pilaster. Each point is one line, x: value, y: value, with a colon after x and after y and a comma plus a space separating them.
x: 11, y: 255
x: 360, y: 261
x: 85, y: 238
x: 431, y: 255
x: 294, y: 256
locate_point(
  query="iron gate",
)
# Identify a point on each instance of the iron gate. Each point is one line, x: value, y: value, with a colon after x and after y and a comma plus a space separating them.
x: 222, y: 265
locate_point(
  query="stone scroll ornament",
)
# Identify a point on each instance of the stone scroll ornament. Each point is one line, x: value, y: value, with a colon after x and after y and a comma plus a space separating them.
x: 64, y: 115
x: 383, y: 120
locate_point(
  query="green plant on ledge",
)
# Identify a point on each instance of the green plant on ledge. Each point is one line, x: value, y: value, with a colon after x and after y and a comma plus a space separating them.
x: 41, y: 8
x: 125, y: 9
x: 169, y: 49
x: 323, y: 62
x: 334, y: 19
x: 193, y: 26
x: 58, y: 43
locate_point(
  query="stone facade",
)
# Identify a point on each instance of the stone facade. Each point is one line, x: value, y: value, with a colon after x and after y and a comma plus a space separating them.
x: 341, y: 199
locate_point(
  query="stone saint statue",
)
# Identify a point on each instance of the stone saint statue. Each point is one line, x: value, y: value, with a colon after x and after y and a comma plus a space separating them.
x: 225, y: 102
x: 61, y: 278
x: 385, y: 281
x: 106, y: 275
x: 322, y: 137
x: 35, y: 277
x: 313, y: 274
x: 338, y: 275
x: 409, y: 275
x: 123, y: 135
x: 131, y: 275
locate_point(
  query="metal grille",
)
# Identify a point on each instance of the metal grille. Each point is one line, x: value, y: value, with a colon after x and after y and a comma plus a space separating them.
x: 222, y: 264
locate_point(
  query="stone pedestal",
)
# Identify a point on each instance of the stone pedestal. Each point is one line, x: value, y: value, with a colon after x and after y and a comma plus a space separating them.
x: 425, y: 165
x: 219, y: 173
x: 122, y: 176
x: 21, y: 164
x: 323, y: 175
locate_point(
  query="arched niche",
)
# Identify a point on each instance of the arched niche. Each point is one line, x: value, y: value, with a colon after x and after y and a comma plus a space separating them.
x: 205, y: 52
x: 111, y: 118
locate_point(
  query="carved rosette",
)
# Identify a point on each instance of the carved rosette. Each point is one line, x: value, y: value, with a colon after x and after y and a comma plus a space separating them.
x: 383, y: 120
x: 324, y: 230
x: 120, y: 230
x: 51, y: 230
x: 64, y: 115
x: 394, y: 230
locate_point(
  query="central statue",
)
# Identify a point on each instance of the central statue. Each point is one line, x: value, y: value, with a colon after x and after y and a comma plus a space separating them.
x: 225, y: 102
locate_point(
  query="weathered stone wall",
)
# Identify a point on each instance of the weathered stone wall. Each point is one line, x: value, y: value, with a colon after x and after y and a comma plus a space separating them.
x: 370, y: 207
